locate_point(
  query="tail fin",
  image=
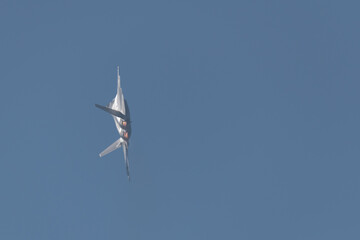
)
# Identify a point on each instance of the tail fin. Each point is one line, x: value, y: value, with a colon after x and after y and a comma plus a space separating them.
x: 112, y: 112
x: 112, y: 147
x: 118, y: 80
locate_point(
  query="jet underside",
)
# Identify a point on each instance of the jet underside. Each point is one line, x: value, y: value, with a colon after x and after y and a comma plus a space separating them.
x: 119, y: 110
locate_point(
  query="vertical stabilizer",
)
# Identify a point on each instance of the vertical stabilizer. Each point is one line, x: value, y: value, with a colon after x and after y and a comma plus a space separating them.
x: 118, y: 80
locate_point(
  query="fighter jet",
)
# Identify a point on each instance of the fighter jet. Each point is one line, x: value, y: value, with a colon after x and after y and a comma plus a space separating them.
x: 119, y: 110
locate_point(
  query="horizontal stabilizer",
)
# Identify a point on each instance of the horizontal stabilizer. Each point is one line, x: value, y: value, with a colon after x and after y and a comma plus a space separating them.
x: 112, y: 147
x: 112, y: 112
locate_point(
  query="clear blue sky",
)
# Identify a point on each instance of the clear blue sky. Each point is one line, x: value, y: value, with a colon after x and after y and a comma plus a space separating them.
x: 245, y: 120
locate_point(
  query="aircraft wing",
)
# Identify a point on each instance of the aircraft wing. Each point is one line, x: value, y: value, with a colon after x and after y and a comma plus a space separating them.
x: 112, y: 147
x: 112, y: 112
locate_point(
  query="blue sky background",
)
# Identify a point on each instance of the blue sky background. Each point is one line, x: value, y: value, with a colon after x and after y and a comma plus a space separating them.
x: 245, y: 119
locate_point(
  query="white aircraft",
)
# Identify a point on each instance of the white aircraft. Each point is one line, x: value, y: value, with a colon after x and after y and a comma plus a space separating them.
x: 119, y: 110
